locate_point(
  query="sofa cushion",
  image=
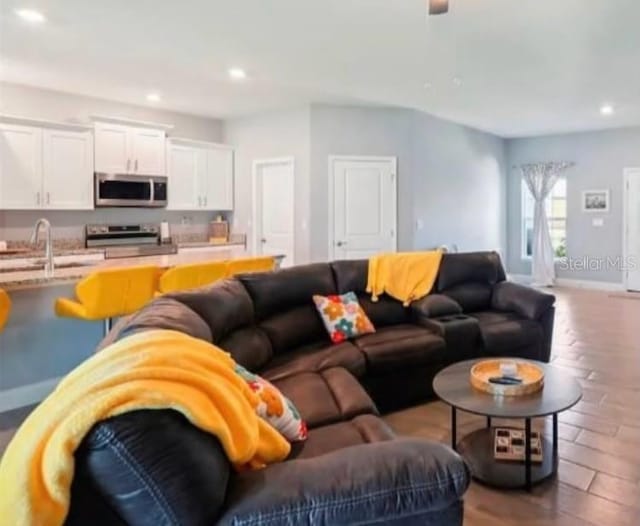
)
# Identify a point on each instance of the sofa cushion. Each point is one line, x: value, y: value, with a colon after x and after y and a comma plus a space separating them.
x: 325, y: 397
x: 162, y: 313
x: 342, y: 316
x: 250, y: 347
x: 505, y: 333
x: 362, y: 429
x: 471, y: 296
x: 225, y: 306
x: 480, y: 267
x: 351, y: 275
x: 294, y: 327
x: 401, y: 346
x: 316, y: 357
x: 282, y: 290
x: 386, y: 311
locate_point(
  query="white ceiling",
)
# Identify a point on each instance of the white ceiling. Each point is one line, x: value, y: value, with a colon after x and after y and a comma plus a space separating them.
x: 526, y: 67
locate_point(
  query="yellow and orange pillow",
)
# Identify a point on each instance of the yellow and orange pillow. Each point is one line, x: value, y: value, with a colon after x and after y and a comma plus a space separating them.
x: 343, y: 316
x: 274, y: 407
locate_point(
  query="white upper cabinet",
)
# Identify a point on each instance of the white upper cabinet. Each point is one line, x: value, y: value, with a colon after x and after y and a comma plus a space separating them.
x: 20, y: 167
x: 129, y: 150
x: 67, y: 170
x: 219, y: 193
x: 187, y: 170
x: 45, y: 168
x: 200, y: 176
x: 112, y: 148
x: 148, y: 151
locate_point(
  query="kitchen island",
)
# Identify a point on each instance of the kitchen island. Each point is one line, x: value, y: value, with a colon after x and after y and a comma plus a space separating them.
x: 37, y: 348
x: 22, y: 273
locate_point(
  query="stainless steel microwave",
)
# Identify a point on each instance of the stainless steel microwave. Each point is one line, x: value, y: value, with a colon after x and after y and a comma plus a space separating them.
x: 130, y: 190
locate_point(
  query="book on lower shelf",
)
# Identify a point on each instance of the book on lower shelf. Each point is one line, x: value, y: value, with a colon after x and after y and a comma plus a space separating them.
x: 508, y: 444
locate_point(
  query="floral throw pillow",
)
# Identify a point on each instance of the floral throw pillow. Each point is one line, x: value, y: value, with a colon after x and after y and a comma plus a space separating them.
x: 343, y: 316
x: 275, y: 408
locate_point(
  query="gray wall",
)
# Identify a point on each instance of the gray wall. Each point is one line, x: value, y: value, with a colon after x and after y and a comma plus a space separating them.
x: 458, y: 187
x: 450, y: 177
x: 267, y: 136
x: 352, y: 130
x: 600, y: 159
x: 54, y: 105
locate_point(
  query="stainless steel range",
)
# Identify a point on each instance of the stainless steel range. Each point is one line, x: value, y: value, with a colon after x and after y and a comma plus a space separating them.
x: 122, y: 241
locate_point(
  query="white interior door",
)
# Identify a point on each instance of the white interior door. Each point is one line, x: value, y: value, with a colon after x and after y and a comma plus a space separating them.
x: 274, y: 208
x: 362, y: 206
x: 632, y: 228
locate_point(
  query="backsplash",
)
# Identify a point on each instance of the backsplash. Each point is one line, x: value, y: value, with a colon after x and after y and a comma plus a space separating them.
x: 68, y: 226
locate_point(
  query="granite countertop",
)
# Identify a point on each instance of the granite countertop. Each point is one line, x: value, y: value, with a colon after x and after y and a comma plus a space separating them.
x: 23, y: 279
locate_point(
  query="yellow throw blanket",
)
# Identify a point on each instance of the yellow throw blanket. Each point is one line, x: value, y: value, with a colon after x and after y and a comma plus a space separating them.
x: 405, y: 276
x: 149, y: 370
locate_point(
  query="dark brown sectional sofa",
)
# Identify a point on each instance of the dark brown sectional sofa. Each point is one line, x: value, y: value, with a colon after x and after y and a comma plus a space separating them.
x: 153, y: 467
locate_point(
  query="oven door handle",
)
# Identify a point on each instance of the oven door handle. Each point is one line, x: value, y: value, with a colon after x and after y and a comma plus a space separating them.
x: 152, y: 192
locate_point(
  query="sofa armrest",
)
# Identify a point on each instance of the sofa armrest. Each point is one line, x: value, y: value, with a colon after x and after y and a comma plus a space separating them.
x: 435, y: 305
x: 359, y: 484
x: 525, y: 301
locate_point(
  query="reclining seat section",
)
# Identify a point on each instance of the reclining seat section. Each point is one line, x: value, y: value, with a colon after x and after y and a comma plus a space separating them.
x: 512, y: 320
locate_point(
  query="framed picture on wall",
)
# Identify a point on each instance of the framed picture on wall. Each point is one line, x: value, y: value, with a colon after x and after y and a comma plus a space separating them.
x: 595, y: 201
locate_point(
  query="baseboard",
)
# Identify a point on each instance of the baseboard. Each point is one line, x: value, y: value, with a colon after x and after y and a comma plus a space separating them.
x: 573, y: 283
x: 588, y: 284
x: 26, y: 395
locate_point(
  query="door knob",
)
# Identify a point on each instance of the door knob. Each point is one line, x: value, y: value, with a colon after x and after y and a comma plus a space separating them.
x: 263, y: 240
x: 341, y: 243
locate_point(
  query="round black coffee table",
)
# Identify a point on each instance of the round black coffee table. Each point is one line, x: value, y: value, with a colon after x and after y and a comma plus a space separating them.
x: 560, y: 392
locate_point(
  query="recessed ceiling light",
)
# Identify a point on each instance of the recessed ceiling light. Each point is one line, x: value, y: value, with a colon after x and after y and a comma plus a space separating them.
x: 154, y: 97
x: 427, y: 85
x: 31, y: 15
x: 606, y: 109
x: 237, y: 74
x: 457, y: 82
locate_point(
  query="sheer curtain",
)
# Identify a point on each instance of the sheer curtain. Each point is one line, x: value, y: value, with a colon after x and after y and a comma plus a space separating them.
x: 540, y: 178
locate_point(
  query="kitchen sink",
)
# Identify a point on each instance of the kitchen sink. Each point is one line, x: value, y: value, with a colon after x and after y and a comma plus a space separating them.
x: 60, y: 262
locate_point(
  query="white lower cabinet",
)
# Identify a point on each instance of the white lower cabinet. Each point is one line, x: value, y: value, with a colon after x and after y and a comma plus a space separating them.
x: 200, y: 176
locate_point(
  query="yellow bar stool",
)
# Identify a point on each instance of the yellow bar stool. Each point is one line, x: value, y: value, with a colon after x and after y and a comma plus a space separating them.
x: 110, y: 293
x: 248, y: 265
x: 5, y: 307
x: 191, y: 276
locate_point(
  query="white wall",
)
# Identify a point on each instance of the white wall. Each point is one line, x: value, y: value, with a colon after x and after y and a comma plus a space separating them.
x: 600, y: 158
x: 266, y: 136
x: 54, y: 105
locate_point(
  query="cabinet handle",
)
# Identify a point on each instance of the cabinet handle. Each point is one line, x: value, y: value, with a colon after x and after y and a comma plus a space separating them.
x: 48, y: 198
x: 200, y: 201
x: 136, y: 166
x: 128, y: 164
x: 37, y: 198
x: 205, y: 200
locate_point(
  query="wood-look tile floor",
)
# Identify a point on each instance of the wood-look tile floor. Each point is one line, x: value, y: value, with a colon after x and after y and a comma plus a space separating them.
x: 597, y: 340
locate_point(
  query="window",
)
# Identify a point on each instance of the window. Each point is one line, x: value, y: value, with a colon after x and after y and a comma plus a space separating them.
x: 556, y: 215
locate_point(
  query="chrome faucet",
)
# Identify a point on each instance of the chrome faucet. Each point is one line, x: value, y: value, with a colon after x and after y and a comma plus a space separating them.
x: 48, y: 264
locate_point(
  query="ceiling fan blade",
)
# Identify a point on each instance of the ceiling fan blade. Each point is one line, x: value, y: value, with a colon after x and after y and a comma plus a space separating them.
x: 438, y: 7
